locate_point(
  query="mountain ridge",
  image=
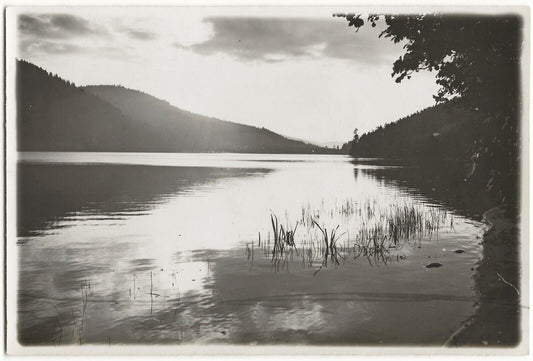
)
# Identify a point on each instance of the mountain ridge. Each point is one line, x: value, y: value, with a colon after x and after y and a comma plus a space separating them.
x: 53, y: 114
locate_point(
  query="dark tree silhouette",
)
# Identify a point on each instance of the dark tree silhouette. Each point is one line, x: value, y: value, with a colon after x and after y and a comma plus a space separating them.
x: 476, y: 57
x: 477, y: 64
x: 355, y: 136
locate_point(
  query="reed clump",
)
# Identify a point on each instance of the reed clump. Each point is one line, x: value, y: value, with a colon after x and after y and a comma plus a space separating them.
x: 379, y: 237
x: 372, y: 242
x: 283, y: 237
x: 330, y: 246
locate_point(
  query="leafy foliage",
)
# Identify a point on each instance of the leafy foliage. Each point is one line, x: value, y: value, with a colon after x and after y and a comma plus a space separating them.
x: 477, y: 64
x: 475, y: 58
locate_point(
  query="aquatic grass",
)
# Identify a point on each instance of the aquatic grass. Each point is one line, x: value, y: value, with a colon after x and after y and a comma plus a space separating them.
x: 373, y: 243
x: 283, y: 237
x: 379, y: 236
x: 249, y: 254
x: 278, y: 244
x: 57, y: 334
x: 399, y: 224
x: 404, y: 222
x: 330, y: 246
x: 85, y: 288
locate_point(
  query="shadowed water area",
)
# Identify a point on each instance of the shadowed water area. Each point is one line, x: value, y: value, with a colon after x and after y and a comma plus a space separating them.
x: 181, y: 248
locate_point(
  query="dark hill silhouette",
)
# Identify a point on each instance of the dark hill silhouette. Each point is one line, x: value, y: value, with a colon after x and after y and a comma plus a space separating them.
x: 55, y: 115
x: 186, y: 131
x: 450, y: 136
x: 443, y: 131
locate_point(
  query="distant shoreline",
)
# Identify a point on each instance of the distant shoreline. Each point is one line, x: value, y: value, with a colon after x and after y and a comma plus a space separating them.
x: 332, y: 152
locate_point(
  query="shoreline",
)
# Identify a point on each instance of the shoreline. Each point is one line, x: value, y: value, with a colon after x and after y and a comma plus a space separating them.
x: 496, y: 322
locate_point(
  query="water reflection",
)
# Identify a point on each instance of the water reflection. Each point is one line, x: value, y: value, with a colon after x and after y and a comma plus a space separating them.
x: 54, y: 195
x: 112, y: 252
x: 442, y: 182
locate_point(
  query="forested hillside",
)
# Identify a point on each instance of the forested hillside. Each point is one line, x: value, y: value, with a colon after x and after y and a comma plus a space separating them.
x: 183, y: 131
x: 442, y: 132
x: 55, y: 115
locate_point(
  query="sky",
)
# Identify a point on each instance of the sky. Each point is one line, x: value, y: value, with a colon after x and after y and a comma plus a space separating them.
x: 297, y: 71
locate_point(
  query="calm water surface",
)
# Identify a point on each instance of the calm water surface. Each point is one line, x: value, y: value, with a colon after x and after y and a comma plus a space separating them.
x: 164, y: 248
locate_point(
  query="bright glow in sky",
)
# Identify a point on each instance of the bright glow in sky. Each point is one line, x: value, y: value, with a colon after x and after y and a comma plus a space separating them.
x: 297, y: 71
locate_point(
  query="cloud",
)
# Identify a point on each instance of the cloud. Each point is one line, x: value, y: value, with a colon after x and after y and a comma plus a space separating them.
x: 141, y: 34
x: 66, y: 34
x: 39, y: 47
x: 32, y: 47
x: 55, y: 26
x: 279, y: 39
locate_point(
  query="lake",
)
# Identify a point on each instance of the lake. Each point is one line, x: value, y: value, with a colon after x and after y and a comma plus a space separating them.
x: 138, y: 248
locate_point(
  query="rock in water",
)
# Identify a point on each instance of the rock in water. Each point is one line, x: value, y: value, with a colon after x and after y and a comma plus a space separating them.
x: 434, y: 265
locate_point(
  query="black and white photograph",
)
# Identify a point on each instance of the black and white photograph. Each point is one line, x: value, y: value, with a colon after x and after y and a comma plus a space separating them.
x: 267, y: 179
